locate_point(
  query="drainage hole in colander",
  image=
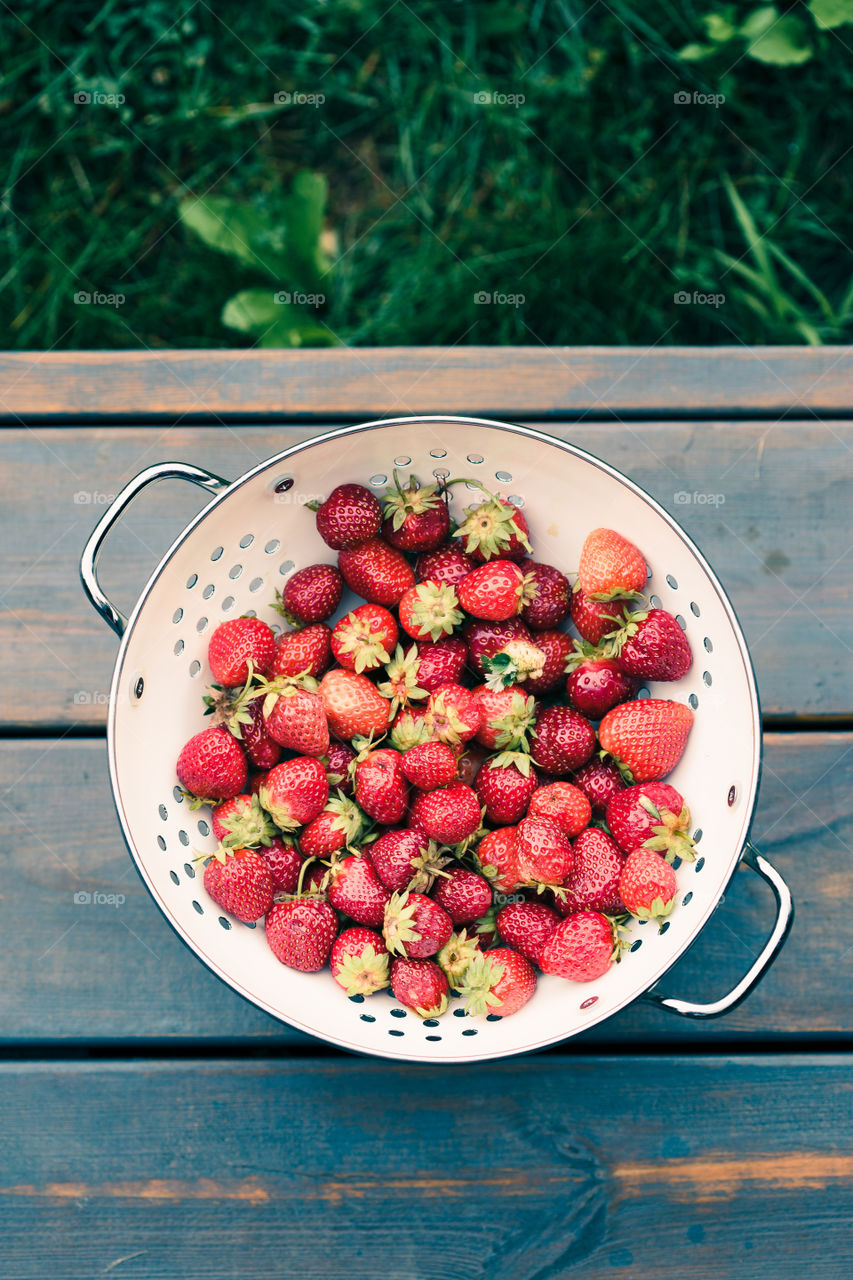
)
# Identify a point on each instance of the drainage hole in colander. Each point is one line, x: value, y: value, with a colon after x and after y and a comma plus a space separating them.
x: 516, y: 499
x: 459, y: 1013
x: 442, y: 453
x: 163, y: 812
x: 247, y: 540
x: 680, y: 620
x: 671, y: 582
x: 664, y: 927
x: 272, y: 546
x: 503, y: 476
x: 709, y: 648
x: 698, y: 865
x: 227, y: 603
x: 138, y: 688
x: 589, y: 1002
x: 492, y: 1017
x: 190, y: 870
x: 697, y: 835
x: 475, y: 488
x: 476, y: 458
x: 195, y: 667
x: 402, y: 461
x: 177, y: 615
x: 378, y: 479
x: 216, y: 553
x: 285, y: 567
x: 162, y: 843
x: 367, y: 1017
x: 433, y: 1037
x: 226, y: 924
x: 235, y: 571
x: 441, y: 473
x: 643, y: 692
x: 191, y: 581
x: 198, y: 907
x: 356, y: 999
x: 693, y: 701
x: 394, y: 1032
x: 398, y: 1013
x: 431, y: 1022
x: 208, y: 591
x: 256, y: 584
x: 250, y: 613
x: 203, y: 828
x: 470, y: 1031
x: 250, y: 924
x: 706, y: 678
x: 732, y: 796
x: 173, y: 876
x: 694, y: 609
x: 183, y: 837
x: 179, y: 648
x: 676, y: 863
x: 178, y: 794
x: 283, y: 484
x: 635, y: 946
x: 655, y: 602
x: 201, y: 625
x: 688, y: 898
x: 642, y: 923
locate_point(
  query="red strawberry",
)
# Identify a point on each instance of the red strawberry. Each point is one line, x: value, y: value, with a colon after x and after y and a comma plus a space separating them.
x: 338, y: 759
x: 646, y: 737
x: 561, y: 740
x: 338, y: 826
x: 556, y: 646
x: 353, y: 706
x: 295, y: 791
x: 351, y: 514
x: 239, y: 881
x: 419, y: 985
x: 240, y: 823
x: 463, y: 894
x: 429, y: 765
x: 610, y: 565
x: 494, y: 529
x: 262, y: 750
x: 594, y: 619
x: 449, y: 815
x: 549, y: 592
x: 212, y: 765
x: 380, y: 785
x: 376, y: 571
x: 504, y: 785
x: 359, y: 962
x: 447, y: 566
x: 257, y: 780
x: 284, y: 862
x: 506, y: 717
x: 485, y: 639
x: 652, y: 645
x: 365, y: 638
x: 441, y: 663
x: 470, y: 762
x: 301, y: 933
x: 648, y: 885
x: 296, y: 718
x: 598, y: 684
x: 562, y: 803
x: 405, y: 858
x: 415, y: 926
x: 497, y: 857
x: 544, y: 853
x: 493, y: 592
x: 311, y: 594
x: 453, y: 714
x: 499, y: 982
x: 581, y: 948
x: 651, y: 815
x: 355, y: 889
x: 599, y: 780
x: 416, y: 518
x: 235, y: 644
x: 307, y: 651
x: 526, y: 926
x: 429, y: 611
x: 593, y: 884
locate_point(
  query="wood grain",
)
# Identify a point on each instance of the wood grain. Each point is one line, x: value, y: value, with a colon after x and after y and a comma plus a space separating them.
x: 590, y: 1167
x: 507, y: 381
x: 782, y: 495
x: 88, y: 973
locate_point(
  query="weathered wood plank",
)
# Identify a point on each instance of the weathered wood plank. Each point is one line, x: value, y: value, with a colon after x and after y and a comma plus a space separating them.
x: 96, y: 972
x: 512, y: 381
x: 682, y: 1168
x: 767, y: 503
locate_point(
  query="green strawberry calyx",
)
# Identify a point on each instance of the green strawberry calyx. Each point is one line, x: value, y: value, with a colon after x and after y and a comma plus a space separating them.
x: 490, y: 526
x: 435, y: 612
x: 353, y: 635
x: 515, y: 724
x: 247, y: 827
x: 427, y: 866
x: 476, y: 985
x: 456, y: 956
x: 399, y: 927
x: 670, y: 836
x: 411, y: 501
x: 402, y: 683
x: 364, y: 974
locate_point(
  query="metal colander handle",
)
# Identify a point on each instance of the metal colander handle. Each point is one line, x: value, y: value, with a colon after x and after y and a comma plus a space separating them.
x: 769, y: 952
x: 92, y: 550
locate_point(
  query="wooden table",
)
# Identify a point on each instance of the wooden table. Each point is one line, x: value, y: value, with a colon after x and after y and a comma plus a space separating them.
x: 154, y: 1125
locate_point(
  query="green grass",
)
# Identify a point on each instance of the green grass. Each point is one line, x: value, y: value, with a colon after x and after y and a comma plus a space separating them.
x: 597, y: 198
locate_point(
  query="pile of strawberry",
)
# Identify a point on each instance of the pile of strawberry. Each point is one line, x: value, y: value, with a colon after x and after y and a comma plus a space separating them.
x: 445, y: 791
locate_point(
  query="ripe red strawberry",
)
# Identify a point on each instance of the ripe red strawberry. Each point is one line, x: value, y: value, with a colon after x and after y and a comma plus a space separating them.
x: 449, y: 815
x: 447, y: 566
x: 485, y: 639
x: 239, y: 881
x: 409, y: 729
x: 365, y: 638
x: 562, y: 740
x: 301, y: 933
x: 453, y: 714
x: 507, y: 715
x: 359, y: 962
x: 497, y: 857
x: 564, y: 804
x: 594, y: 619
x: 235, y: 644
x: 262, y: 750
x: 441, y: 663
x: 652, y: 645
x: 556, y: 646
x: 405, y: 858
x: 295, y: 791
x: 470, y: 761
x: 429, y: 611
x: 463, y: 894
x: 598, y: 684
x: 257, y: 780
x: 355, y: 889
x: 493, y: 592
x: 379, y: 573
x: 610, y: 565
x: 599, y: 780
x: 593, y: 884
x: 429, y: 765
x: 419, y: 985
x: 527, y: 926
x: 351, y: 514
x: 285, y: 863
x: 240, y: 823
x: 415, y: 926
x: 338, y: 759
x: 212, y: 765
x: 504, y: 785
x: 500, y: 981
x: 380, y: 785
x: 306, y: 651
x: 646, y: 737
x: 338, y: 826
x: 416, y: 517
x: 581, y: 948
x: 296, y: 718
x: 310, y: 595
x: 651, y: 815
x: 648, y: 885
x: 544, y: 853
x: 494, y: 529
x: 353, y: 706
x: 549, y: 593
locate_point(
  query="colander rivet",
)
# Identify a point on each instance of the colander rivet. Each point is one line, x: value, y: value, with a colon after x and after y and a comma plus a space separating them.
x: 138, y: 687
x: 732, y: 796
x: 282, y: 486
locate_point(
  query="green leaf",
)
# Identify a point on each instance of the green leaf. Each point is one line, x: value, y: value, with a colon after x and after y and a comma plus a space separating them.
x: 697, y: 52
x: 719, y: 26
x: 237, y: 230
x: 831, y: 13
x: 275, y: 324
x: 304, y: 211
x: 759, y: 21
x: 784, y: 44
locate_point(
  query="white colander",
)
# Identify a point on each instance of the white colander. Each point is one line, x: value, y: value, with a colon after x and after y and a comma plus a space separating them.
x: 247, y: 540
